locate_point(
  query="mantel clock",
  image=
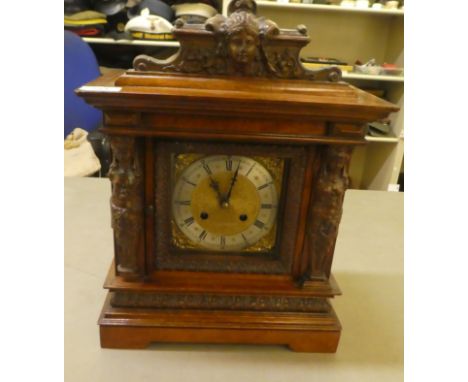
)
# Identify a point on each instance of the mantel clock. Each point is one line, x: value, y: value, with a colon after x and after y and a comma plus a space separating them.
x: 228, y: 176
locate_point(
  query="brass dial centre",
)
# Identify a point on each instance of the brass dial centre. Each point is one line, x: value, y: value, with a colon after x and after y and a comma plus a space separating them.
x: 224, y: 218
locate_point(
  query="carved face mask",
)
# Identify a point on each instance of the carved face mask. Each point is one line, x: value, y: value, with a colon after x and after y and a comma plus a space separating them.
x: 242, y: 47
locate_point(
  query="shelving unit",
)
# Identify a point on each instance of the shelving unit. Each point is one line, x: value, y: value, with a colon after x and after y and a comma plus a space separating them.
x: 351, y: 34
x: 330, y: 8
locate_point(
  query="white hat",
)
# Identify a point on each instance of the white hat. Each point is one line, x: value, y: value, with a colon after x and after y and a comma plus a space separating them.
x: 194, y: 9
x: 149, y: 26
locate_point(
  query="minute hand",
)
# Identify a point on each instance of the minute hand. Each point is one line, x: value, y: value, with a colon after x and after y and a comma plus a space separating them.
x: 233, y: 180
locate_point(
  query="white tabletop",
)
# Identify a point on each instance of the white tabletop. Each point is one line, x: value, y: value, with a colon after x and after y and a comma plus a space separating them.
x: 368, y: 267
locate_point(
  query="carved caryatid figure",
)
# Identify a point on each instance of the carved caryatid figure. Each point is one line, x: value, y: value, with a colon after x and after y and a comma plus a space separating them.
x: 327, y: 209
x: 126, y: 202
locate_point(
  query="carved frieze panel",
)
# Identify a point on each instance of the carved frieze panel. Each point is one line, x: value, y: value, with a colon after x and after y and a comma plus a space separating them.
x: 220, y: 302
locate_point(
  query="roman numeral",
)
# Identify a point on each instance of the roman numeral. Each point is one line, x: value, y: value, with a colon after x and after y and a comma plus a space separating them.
x: 259, y: 224
x: 206, y: 168
x: 250, y: 169
x: 266, y: 206
x: 264, y: 186
x: 222, y: 242
x: 189, y: 221
x: 189, y: 182
x: 203, y: 235
x: 245, y: 239
x: 183, y: 202
x: 229, y: 164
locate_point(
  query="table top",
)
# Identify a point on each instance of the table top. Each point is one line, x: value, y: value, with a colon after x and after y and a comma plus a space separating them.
x: 368, y: 266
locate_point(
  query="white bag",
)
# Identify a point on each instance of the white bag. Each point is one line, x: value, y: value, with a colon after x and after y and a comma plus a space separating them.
x: 80, y: 159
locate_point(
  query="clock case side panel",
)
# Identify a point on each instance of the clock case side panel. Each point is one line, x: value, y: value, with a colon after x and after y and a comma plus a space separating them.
x: 163, y: 257
x: 127, y: 176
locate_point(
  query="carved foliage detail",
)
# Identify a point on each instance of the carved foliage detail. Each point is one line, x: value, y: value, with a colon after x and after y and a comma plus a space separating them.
x: 331, y: 184
x: 241, y: 44
x: 222, y: 302
x: 126, y: 202
x: 284, y: 63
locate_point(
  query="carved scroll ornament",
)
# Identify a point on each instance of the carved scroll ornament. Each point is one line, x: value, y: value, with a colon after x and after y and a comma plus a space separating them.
x: 126, y: 203
x: 241, y: 44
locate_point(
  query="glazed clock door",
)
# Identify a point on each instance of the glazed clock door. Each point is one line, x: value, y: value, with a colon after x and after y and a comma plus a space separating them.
x: 223, y: 207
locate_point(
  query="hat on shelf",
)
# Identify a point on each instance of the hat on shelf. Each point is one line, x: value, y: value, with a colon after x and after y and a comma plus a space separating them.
x: 86, y: 23
x: 149, y: 27
x: 194, y: 13
x: 84, y: 18
x: 109, y: 7
x: 73, y: 6
x: 132, y: 3
x: 155, y: 7
x: 212, y: 3
x: 87, y: 30
x: 116, y: 26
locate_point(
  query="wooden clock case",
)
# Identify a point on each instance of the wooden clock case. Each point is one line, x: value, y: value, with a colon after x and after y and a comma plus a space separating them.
x: 216, y: 97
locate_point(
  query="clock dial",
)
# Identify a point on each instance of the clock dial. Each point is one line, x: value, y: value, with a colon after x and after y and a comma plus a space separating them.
x: 225, y: 203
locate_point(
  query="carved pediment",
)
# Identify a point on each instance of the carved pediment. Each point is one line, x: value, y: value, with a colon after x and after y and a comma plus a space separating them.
x: 241, y: 44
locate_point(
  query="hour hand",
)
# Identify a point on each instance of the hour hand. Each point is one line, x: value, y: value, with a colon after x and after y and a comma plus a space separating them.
x: 215, y: 186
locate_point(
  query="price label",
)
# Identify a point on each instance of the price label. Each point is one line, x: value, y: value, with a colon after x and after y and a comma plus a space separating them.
x: 109, y: 89
x: 393, y: 187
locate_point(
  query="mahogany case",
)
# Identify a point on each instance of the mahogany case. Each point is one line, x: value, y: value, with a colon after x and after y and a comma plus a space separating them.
x: 211, y: 99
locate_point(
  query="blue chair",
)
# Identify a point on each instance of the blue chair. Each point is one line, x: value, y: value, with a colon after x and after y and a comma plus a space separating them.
x: 81, y: 67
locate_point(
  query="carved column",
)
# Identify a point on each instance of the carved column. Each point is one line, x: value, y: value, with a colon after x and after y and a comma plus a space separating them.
x: 326, y: 209
x: 127, y: 205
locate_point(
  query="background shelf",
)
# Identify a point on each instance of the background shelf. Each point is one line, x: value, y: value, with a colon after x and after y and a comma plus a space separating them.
x: 349, y: 35
x: 382, y: 139
x: 368, y: 77
x: 111, y: 41
x: 331, y: 8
